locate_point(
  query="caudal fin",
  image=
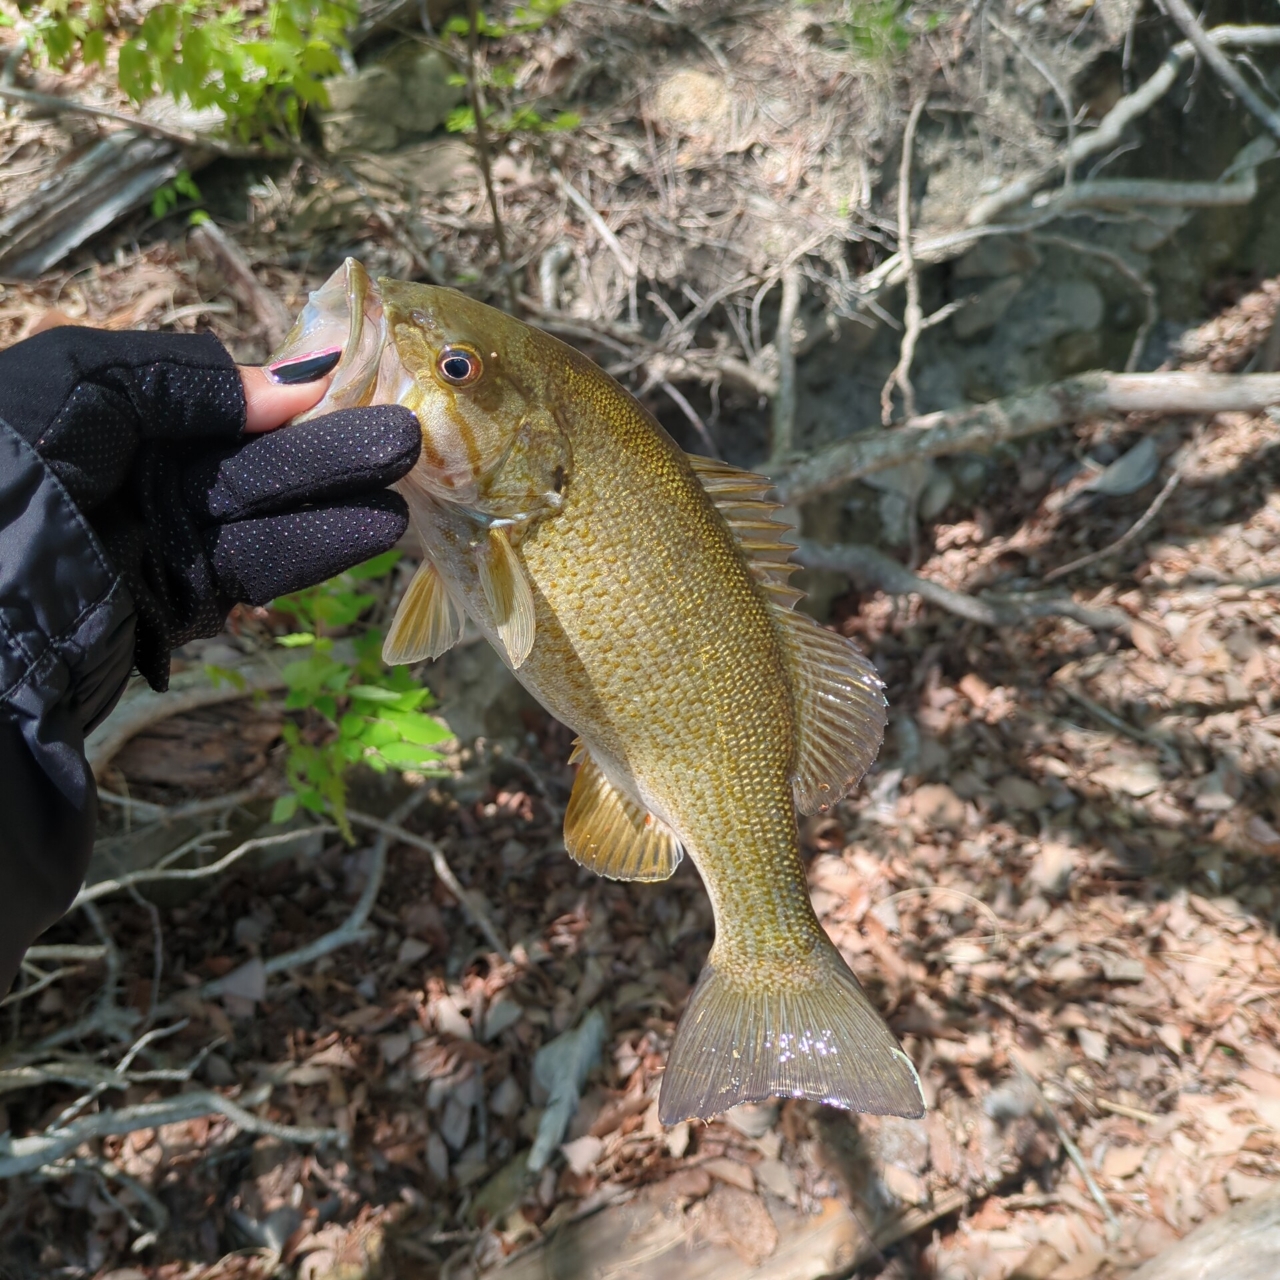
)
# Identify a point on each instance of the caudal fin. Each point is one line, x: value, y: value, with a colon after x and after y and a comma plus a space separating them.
x: 806, y: 1032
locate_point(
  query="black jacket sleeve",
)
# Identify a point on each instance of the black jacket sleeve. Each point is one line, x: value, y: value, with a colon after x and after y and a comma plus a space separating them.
x: 75, y: 407
x: 66, y: 647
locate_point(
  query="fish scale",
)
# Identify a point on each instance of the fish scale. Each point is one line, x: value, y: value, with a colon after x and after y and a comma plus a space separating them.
x: 639, y: 594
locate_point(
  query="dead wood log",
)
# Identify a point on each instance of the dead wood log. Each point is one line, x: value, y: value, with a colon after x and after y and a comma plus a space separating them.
x: 85, y: 194
x: 1243, y: 1244
x: 980, y: 427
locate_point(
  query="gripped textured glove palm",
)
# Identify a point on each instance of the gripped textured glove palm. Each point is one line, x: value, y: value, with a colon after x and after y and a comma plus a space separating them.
x: 145, y: 433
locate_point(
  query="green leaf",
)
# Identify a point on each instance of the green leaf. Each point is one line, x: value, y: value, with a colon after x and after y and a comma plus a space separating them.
x: 284, y: 808
x: 220, y: 674
x: 296, y: 639
x: 407, y: 756
x: 372, y: 693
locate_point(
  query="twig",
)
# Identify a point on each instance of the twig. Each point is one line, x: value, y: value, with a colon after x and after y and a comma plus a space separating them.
x: 19, y: 1156
x: 1130, y: 273
x: 183, y: 137
x: 630, y: 270
x: 105, y: 1171
x: 1117, y: 120
x: 1133, y: 531
x: 1133, y: 1113
x: 482, y: 149
x: 353, y: 928
x: 1059, y: 89
x: 912, y: 316
x: 1220, y: 64
x: 1121, y: 725
x: 784, y: 401
x: 152, y: 875
x: 1069, y: 1146
x: 470, y: 902
x: 981, y: 427
x: 163, y: 813
x: 219, y: 248
x: 693, y: 415
x: 868, y: 565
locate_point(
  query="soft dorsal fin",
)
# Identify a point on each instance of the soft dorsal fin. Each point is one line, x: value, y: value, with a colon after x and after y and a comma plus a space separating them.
x: 609, y: 833
x: 840, y: 705
x: 841, y: 711
x: 427, y: 623
x: 507, y: 592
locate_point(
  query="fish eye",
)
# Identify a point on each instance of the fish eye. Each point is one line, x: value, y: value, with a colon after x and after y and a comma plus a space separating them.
x: 459, y: 366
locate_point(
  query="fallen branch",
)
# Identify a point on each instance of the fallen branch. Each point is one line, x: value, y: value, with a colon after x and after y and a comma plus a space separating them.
x: 1112, y: 126
x: 20, y: 1156
x: 1220, y: 64
x: 873, y: 568
x: 912, y: 316
x: 784, y: 399
x: 213, y: 244
x: 471, y: 903
x: 981, y: 427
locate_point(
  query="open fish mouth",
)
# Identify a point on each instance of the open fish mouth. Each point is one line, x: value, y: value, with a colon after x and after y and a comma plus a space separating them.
x: 346, y: 311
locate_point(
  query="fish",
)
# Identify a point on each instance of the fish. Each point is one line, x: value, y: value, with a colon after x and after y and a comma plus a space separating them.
x: 641, y: 595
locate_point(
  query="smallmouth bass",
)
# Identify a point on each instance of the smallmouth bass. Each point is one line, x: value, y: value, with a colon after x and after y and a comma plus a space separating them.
x: 640, y: 594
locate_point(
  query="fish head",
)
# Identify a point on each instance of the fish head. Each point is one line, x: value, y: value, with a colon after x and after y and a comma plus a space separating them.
x: 476, y: 378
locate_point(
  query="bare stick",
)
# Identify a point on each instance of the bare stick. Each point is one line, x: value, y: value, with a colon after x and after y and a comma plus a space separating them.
x: 867, y: 565
x: 1221, y: 65
x: 1131, y: 533
x: 981, y: 427
x: 183, y: 137
x: 471, y: 903
x: 482, y: 149
x: 1059, y: 89
x: 693, y: 415
x: 912, y: 316
x: 1130, y: 273
x: 630, y: 270
x: 1117, y: 120
x: 784, y: 400
x: 153, y: 875
x: 219, y: 248
x: 1069, y: 1146
x: 19, y: 1156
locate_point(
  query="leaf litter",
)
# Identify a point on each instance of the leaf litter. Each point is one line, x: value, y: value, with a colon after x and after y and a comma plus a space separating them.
x: 1058, y: 884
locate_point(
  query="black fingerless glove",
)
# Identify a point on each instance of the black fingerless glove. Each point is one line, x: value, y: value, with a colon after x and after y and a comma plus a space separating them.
x: 144, y: 432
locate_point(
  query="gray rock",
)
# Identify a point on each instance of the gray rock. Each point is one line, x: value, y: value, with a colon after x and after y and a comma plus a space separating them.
x: 997, y: 256
x: 986, y: 308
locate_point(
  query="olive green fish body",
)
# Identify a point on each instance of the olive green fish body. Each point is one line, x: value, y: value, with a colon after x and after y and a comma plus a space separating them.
x: 637, y: 594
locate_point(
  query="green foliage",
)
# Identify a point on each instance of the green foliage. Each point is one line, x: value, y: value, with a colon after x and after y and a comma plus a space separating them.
x: 259, y: 69
x: 882, y: 30
x: 502, y: 115
x: 374, y: 715
x: 166, y: 197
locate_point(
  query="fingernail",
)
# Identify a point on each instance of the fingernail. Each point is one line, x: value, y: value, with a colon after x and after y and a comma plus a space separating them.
x: 305, y: 368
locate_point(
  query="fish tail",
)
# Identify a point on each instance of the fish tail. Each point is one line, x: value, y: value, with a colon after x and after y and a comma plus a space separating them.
x: 800, y: 1030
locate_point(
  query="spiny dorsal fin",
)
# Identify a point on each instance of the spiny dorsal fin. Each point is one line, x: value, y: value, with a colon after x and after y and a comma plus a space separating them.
x: 840, y: 705
x: 740, y: 498
x: 840, y: 711
x: 506, y: 590
x: 427, y: 623
x: 610, y: 834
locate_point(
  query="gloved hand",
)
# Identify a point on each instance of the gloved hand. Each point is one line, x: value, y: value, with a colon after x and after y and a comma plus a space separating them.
x: 146, y: 433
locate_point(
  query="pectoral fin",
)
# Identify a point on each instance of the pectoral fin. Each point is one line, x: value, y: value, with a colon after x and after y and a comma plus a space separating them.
x: 427, y: 623
x: 609, y: 833
x: 507, y: 592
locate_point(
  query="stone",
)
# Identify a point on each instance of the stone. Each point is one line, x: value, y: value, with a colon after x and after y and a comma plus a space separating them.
x: 1052, y: 868
x: 691, y: 100
x: 996, y: 256
x: 986, y: 308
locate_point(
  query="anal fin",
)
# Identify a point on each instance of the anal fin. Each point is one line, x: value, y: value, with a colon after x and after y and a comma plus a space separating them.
x: 427, y: 623
x: 610, y: 834
x: 507, y: 592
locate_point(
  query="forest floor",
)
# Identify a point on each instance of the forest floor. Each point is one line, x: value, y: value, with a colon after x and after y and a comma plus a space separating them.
x: 1058, y: 883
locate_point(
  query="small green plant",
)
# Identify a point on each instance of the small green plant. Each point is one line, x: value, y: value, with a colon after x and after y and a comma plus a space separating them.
x: 882, y: 30
x: 166, y: 197
x: 260, y: 68
x: 371, y: 714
